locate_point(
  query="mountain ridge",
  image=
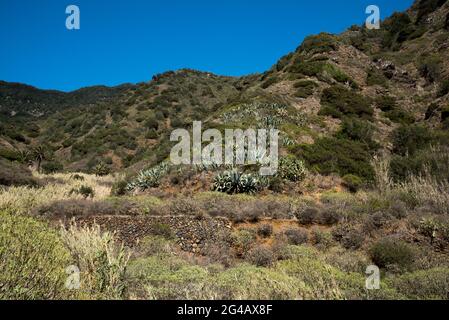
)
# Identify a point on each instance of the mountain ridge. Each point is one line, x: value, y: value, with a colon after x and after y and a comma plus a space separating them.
x: 399, y: 71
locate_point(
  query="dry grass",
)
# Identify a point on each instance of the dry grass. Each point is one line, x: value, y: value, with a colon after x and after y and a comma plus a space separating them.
x: 426, y: 191
x: 101, y: 261
x: 21, y: 200
x: 419, y: 190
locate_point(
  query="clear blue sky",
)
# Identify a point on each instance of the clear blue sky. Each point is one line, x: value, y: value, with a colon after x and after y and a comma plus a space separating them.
x: 130, y: 40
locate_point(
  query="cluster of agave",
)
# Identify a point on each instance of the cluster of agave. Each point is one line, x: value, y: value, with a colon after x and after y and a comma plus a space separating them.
x: 291, y: 168
x: 270, y: 121
x: 233, y: 182
x: 149, y: 178
x: 261, y: 112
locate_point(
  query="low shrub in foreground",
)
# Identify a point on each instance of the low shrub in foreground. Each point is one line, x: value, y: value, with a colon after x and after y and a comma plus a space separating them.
x: 392, y: 254
x: 32, y: 260
x: 101, y: 261
x: 430, y: 284
x: 261, y: 257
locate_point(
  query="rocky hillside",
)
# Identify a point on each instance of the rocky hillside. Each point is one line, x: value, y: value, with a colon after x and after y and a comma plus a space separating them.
x: 345, y: 94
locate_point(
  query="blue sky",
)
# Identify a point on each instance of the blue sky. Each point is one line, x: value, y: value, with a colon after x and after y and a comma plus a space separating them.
x: 129, y: 41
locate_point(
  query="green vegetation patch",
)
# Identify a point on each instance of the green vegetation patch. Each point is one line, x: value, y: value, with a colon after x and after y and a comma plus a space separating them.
x: 338, y: 101
x: 332, y: 155
x: 32, y: 260
x: 305, y: 88
x: 321, y: 43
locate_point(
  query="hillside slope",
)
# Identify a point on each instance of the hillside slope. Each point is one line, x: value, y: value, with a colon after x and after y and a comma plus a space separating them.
x: 331, y: 85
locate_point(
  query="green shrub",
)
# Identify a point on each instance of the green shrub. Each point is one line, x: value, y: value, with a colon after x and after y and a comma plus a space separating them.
x: 443, y: 88
x: 429, y: 228
x: 321, y: 43
x: 324, y: 281
x: 331, y: 155
x: 430, y: 284
x: 386, y: 103
x: 101, y: 170
x: 322, y: 239
x: 85, y: 191
x: 243, y: 240
x: 338, y: 75
x: 305, y: 88
x: 408, y: 139
x: 119, y: 188
x: 9, y: 154
x: 400, y: 116
x: 329, y: 217
x: 445, y: 114
x: 77, y: 177
x: 296, y: 236
x: 52, y: 167
x: 307, y: 216
x: 393, y: 111
x: 348, y: 236
x: 430, y: 67
x: 292, y: 169
x: 307, y: 68
x: 433, y: 161
x: 338, y: 101
x: 261, y: 257
x: 32, y: 260
x: 425, y: 7
x: 389, y: 253
x: 305, y: 84
x: 358, y: 130
x: 269, y: 82
x: 352, y: 182
x: 399, y: 27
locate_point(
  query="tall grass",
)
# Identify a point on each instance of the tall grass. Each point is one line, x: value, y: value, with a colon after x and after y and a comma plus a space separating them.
x: 418, y: 190
x: 20, y: 200
x: 102, y: 262
x: 426, y: 191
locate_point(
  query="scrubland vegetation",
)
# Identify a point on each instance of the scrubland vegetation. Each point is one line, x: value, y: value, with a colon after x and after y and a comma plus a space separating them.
x: 321, y: 253
x: 363, y: 178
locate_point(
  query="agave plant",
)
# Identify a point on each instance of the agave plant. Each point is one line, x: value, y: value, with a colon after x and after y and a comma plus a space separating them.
x: 291, y: 168
x: 149, y: 178
x: 288, y: 142
x: 233, y: 182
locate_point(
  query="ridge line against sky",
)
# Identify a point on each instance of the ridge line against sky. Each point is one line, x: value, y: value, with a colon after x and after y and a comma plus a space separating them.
x: 130, y: 41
